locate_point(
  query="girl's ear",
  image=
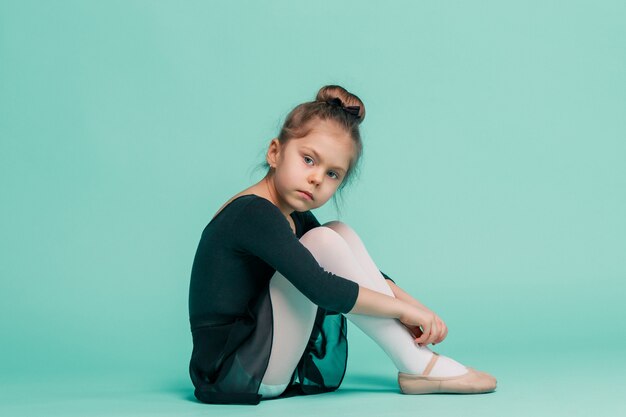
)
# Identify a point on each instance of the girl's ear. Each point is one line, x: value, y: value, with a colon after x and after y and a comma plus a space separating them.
x: 273, y: 152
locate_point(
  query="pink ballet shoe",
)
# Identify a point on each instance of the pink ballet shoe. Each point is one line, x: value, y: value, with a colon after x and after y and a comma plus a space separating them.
x: 472, y: 382
x: 484, y: 373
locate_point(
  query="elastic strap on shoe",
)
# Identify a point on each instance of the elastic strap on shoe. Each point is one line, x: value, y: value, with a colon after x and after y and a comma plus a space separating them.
x: 431, y: 364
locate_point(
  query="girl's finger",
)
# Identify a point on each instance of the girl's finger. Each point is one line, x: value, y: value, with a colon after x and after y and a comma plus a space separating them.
x: 440, y: 337
x: 442, y: 331
x: 439, y: 328
x: 430, y: 331
x: 432, y: 335
x: 445, y: 332
x: 422, y: 339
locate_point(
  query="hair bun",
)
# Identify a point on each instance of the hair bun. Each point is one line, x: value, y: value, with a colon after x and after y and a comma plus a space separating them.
x: 335, y: 94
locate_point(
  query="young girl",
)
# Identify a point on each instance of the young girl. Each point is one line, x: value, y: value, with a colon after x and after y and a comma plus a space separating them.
x: 271, y: 288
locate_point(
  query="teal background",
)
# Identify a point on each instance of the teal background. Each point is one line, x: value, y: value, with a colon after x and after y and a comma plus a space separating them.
x: 492, y: 189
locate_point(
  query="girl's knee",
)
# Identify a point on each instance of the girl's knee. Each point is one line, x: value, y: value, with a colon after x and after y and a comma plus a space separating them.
x: 344, y: 230
x: 337, y: 226
x: 321, y: 235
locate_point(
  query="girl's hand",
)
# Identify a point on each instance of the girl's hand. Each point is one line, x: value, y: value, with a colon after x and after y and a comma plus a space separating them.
x: 415, y: 330
x: 431, y: 329
x: 442, y: 328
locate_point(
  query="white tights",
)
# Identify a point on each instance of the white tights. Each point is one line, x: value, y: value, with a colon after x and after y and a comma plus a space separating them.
x: 339, y: 250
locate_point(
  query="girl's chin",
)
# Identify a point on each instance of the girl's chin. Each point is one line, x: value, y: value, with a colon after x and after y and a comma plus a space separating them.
x: 311, y: 205
x: 304, y: 205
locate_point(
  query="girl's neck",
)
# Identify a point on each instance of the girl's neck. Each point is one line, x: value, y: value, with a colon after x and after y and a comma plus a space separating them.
x: 266, y: 189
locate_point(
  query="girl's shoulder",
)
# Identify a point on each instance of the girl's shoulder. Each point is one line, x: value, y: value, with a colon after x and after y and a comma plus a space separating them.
x: 232, y: 200
x: 242, y: 200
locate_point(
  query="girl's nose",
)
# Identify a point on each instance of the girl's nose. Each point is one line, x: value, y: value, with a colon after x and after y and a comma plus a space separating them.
x: 316, y: 177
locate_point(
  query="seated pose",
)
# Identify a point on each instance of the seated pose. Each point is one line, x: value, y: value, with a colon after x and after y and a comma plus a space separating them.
x: 271, y: 288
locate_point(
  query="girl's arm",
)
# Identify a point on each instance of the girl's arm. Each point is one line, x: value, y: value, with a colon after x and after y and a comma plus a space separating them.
x: 403, y: 295
x: 421, y: 322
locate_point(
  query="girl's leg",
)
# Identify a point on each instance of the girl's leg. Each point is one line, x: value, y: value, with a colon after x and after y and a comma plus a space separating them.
x: 343, y: 253
x: 339, y: 250
x: 294, y: 316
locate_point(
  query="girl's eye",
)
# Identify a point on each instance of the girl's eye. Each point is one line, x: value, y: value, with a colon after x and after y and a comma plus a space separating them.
x: 333, y: 174
x: 308, y: 160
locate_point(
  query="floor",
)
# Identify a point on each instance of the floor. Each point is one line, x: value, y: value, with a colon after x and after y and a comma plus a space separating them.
x: 567, y: 384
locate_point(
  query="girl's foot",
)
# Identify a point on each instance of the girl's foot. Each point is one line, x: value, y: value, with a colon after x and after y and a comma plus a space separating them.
x: 445, y: 366
x: 470, y: 382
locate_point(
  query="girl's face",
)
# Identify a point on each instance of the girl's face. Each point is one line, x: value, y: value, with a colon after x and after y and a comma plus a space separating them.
x: 309, y: 170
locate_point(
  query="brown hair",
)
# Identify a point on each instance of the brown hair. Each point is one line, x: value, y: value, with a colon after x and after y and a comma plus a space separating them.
x: 300, y: 121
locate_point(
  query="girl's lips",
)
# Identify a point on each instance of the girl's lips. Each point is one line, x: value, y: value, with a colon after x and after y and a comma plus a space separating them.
x: 306, y: 194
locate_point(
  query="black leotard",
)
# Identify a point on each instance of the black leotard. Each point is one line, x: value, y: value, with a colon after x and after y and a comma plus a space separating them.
x: 230, y: 310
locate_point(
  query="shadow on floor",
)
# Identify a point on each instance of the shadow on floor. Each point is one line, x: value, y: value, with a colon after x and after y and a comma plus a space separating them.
x: 353, y: 383
x: 369, y: 382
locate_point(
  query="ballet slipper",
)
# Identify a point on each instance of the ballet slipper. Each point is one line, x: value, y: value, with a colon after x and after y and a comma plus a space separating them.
x: 484, y: 373
x: 472, y: 382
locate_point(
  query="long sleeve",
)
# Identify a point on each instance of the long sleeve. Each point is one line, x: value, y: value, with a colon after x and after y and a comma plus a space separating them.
x: 264, y: 232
